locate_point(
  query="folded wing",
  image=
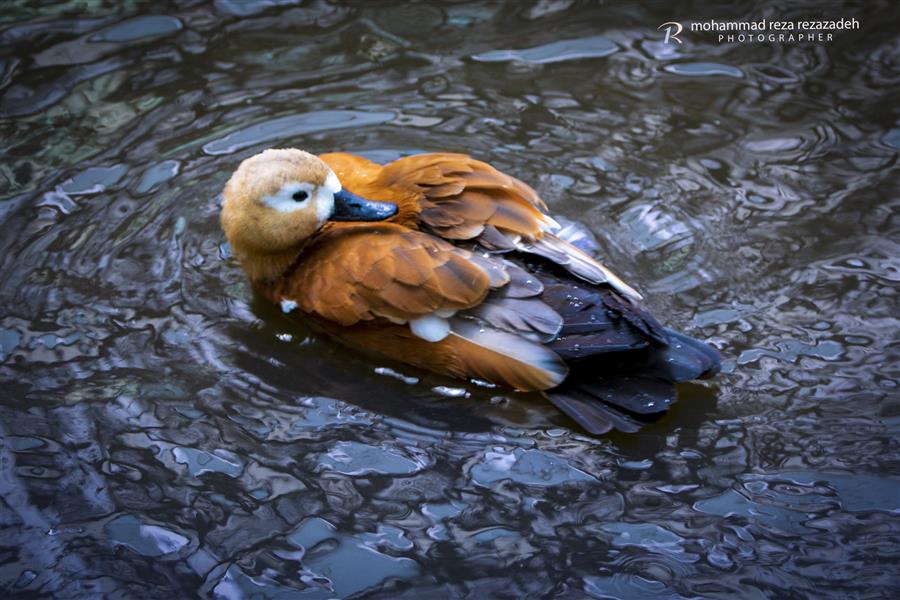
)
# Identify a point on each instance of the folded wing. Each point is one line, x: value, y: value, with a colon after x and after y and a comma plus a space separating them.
x: 465, y: 199
x: 380, y: 281
x: 360, y: 272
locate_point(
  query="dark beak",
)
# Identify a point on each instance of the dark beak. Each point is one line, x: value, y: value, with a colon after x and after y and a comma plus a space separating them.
x: 350, y: 207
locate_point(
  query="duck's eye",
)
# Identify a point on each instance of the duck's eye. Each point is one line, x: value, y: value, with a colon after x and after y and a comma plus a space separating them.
x: 300, y: 196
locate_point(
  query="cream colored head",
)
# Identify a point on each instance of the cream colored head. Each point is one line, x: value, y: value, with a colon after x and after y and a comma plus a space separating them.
x: 273, y: 203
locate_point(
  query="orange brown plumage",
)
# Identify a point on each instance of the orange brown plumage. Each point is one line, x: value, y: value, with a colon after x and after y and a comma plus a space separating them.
x: 362, y: 272
x: 445, y: 283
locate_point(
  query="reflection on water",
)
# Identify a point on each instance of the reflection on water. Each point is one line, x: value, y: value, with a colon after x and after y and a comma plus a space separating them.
x: 165, y: 434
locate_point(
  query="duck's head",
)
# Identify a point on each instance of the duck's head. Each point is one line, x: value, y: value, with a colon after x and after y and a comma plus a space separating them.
x: 278, y: 199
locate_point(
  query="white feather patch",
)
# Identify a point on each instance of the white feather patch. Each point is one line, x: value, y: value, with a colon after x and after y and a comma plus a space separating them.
x: 321, y: 196
x: 431, y: 328
x: 325, y: 197
x: 283, y: 199
x: 332, y: 183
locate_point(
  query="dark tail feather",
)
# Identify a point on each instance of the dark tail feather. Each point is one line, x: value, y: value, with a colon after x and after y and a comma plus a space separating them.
x: 624, y: 401
x: 596, y: 417
x: 630, y: 389
x: 685, y: 359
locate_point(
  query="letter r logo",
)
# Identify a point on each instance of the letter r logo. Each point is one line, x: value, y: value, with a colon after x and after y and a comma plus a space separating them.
x: 670, y: 34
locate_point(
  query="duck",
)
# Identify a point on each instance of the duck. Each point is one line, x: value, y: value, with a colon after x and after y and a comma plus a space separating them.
x: 442, y: 262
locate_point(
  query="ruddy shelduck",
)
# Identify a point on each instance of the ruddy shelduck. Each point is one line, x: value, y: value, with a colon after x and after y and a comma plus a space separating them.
x: 443, y: 262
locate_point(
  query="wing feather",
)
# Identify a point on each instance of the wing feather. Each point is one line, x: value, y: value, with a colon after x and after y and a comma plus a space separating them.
x: 469, y: 351
x: 528, y: 317
x: 577, y: 262
x: 460, y: 196
x: 495, y: 355
x: 465, y: 199
x: 361, y: 272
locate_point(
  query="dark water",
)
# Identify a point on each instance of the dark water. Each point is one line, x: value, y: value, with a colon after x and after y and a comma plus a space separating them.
x: 166, y: 435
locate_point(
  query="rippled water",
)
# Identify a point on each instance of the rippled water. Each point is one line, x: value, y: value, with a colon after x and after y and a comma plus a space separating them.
x: 164, y: 434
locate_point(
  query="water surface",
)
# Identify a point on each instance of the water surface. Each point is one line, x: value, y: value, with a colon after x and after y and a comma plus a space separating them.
x: 165, y: 434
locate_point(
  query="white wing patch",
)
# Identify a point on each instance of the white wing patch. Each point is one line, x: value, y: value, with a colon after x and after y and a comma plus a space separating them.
x: 431, y: 328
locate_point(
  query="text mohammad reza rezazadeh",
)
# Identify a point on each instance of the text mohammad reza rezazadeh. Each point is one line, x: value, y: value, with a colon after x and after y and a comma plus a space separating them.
x: 776, y: 31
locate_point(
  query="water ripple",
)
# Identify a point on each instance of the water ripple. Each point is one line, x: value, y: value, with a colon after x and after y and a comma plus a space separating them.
x: 165, y: 433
